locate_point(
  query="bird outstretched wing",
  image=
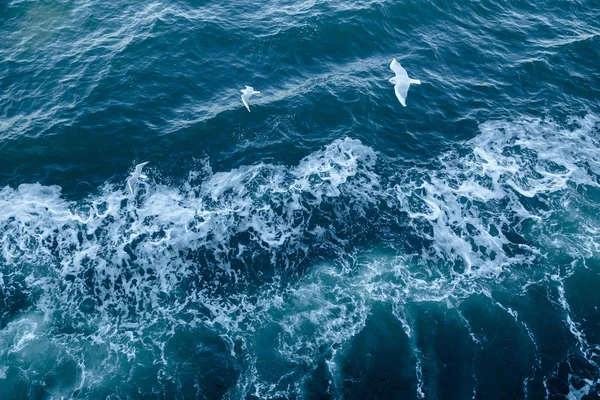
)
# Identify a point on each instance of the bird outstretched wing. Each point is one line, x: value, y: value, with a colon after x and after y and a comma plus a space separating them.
x: 398, y: 69
x: 245, y: 98
x: 401, y: 89
x: 130, y: 183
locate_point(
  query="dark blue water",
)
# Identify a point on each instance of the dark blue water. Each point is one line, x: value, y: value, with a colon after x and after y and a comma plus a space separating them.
x: 330, y: 244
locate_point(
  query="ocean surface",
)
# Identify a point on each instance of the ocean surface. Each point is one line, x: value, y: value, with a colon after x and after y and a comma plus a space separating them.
x: 330, y: 244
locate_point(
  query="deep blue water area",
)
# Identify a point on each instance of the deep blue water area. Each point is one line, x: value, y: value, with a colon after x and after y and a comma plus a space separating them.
x: 329, y: 244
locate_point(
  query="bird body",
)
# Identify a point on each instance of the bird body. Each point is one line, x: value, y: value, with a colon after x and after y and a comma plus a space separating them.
x: 246, y: 94
x: 401, y: 81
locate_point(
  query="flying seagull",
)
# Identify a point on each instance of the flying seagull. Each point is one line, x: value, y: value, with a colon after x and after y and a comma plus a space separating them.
x: 401, y: 81
x: 246, y: 94
x: 134, y: 177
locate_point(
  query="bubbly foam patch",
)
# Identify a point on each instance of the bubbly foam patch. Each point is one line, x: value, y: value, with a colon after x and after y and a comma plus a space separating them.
x: 304, y: 251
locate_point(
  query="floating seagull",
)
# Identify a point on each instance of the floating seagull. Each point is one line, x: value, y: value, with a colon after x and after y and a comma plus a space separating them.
x: 134, y: 177
x: 246, y: 94
x: 401, y: 81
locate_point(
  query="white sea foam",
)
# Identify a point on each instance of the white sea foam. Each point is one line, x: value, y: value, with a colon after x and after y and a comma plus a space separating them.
x: 584, y: 390
x: 128, y: 270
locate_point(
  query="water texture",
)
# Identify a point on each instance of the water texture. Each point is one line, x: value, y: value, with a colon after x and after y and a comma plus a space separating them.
x: 331, y: 244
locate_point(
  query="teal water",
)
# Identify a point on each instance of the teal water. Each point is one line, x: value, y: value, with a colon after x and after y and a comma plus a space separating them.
x: 330, y: 244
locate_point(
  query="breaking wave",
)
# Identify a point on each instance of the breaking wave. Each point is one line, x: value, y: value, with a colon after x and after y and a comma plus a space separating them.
x: 296, y: 257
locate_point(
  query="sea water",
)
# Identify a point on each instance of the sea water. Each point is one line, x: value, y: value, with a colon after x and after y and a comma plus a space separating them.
x: 330, y: 244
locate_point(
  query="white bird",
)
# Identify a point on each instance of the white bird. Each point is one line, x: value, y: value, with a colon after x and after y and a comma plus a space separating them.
x: 134, y: 177
x: 246, y: 94
x: 401, y: 81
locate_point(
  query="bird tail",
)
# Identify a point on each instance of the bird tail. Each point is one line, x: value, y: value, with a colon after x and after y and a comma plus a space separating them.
x: 256, y: 92
x: 415, y: 81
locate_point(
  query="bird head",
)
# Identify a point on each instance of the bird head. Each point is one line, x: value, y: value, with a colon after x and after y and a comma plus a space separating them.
x: 393, y: 80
